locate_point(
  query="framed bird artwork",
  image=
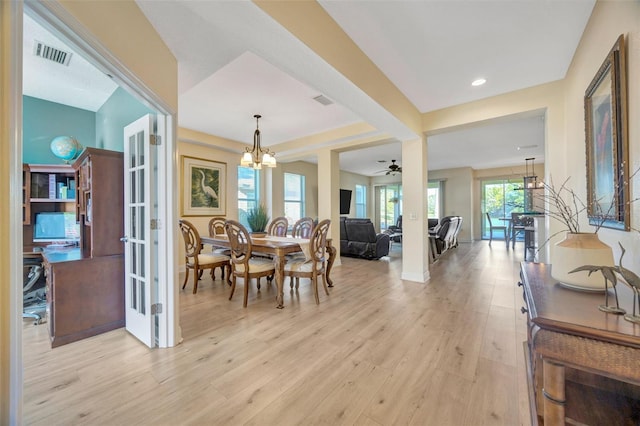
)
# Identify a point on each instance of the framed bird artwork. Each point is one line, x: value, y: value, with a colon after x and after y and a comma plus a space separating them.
x: 203, y: 187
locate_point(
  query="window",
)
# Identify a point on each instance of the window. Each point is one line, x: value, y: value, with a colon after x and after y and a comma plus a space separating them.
x: 248, y: 184
x: 361, y: 201
x: 435, y: 199
x: 293, y: 197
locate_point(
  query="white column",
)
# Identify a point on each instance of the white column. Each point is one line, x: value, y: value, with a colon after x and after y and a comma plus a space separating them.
x: 415, y: 238
x: 329, y: 195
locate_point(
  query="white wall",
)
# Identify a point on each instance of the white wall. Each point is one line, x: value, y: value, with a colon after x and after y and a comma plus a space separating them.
x: 206, y: 152
x: 349, y: 180
x: 608, y: 20
x: 310, y: 173
x: 458, y: 197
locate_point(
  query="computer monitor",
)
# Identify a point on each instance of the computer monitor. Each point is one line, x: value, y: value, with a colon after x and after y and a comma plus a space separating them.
x: 56, y: 227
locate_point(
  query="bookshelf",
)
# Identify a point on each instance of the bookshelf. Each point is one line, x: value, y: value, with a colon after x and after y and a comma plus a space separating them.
x: 42, y: 191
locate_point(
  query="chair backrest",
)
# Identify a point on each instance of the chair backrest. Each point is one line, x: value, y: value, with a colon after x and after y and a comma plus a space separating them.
x: 302, y: 228
x: 318, y: 242
x: 443, y: 227
x: 457, y: 231
x: 240, y: 242
x: 521, y: 220
x: 216, y: 226
x: 192, y: 244
x: 278, y: 227
x: 399, y: 222
x: 489, y: 219
x: 452, y: 231
x: 359, y: 229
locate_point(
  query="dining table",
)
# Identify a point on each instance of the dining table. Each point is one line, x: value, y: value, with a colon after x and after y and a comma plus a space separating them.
x: 278, y: 248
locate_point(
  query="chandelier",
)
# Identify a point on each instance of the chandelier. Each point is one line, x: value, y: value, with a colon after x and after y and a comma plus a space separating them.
x: 530, y: 178
x: 257, y: 156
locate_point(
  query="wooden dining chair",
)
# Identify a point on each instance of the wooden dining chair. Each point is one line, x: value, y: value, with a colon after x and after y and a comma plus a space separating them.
x: 196, y: 259
x: 519, y: 224
x: 243, y: 264
x: 315, y: 265
x: 216, y: 228
x: 278, y: 227
x: 493, y: 227
x: 302, y: 228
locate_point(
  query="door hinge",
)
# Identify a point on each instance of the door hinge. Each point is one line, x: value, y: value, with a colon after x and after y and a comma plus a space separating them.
x: 155, y: 224
x: 156, y: 308
x: 155, y: 140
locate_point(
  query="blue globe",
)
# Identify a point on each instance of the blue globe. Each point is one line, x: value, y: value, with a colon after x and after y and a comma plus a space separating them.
x: 64, y: 147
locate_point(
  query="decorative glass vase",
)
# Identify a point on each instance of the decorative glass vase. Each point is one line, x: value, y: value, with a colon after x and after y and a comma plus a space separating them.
x: 579, y: 249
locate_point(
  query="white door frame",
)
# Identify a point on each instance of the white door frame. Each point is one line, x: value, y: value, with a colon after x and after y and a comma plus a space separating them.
x: 11, y: 378
x: 54, y: 17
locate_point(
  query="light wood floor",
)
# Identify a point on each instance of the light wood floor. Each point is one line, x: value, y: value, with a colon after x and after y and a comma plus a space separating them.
x: 377, y: 351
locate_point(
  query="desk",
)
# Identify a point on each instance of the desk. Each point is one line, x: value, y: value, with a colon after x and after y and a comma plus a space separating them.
x: 85, y: 295
x: 277, y: 247
x: 583, y: 363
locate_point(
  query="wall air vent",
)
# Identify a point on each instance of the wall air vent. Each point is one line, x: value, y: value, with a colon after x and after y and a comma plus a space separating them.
x: 323, y: 100
x: 51, y: 53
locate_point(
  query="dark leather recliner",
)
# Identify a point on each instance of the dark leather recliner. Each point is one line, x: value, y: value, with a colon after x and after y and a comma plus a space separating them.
x: 445, y: 235
x: 358, y: 238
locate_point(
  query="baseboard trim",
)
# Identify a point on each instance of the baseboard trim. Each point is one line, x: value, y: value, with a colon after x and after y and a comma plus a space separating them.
x: 418, y: 278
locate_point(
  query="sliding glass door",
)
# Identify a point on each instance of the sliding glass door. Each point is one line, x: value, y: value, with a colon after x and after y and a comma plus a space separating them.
x: 500, y: 197
x: 388, y: 205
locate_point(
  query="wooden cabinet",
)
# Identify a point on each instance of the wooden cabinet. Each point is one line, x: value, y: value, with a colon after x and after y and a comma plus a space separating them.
x: 85, y: 284
x: 85, y: 296
x: 582, y: 363
x: 100, y: 201
x: 26, y: 195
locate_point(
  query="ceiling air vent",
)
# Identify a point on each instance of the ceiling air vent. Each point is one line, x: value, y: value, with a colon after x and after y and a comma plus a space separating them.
x: 323, y: 100
x: 51, y: 53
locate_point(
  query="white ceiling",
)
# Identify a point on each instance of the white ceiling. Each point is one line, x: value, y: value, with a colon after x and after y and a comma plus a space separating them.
x: 235, y: 61
x: 79, y: 84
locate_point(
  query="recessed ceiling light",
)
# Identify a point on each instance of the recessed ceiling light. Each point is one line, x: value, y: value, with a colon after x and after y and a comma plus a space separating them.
x: 479, y: 82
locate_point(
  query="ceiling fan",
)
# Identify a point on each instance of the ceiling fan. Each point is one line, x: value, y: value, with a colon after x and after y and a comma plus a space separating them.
x: 392, y: 169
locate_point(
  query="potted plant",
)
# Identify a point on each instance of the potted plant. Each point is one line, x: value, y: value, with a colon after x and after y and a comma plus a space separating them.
x: 577, y: 248
x: 258, y: 218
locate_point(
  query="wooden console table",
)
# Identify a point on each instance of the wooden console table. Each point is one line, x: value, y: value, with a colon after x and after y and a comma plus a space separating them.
x: 583, y: 364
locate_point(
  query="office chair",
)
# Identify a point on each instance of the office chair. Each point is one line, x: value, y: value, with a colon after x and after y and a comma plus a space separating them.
x: 34, y: 299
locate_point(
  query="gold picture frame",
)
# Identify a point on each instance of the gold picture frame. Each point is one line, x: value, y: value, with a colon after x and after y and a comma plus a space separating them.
x: 203, y: 187
x: 605, y: 109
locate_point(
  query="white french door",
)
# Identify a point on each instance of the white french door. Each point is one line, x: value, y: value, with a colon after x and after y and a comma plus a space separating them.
x: 140, y: 288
